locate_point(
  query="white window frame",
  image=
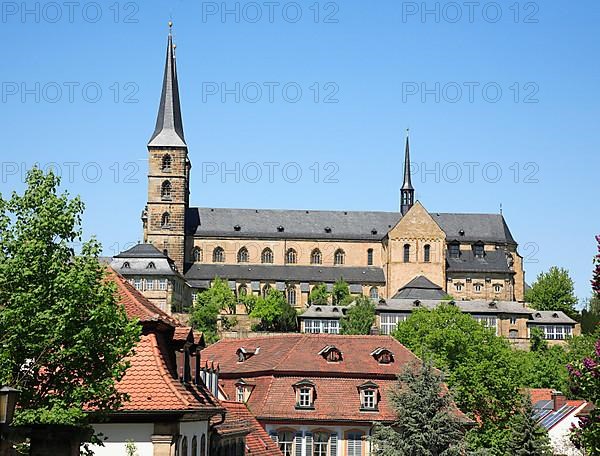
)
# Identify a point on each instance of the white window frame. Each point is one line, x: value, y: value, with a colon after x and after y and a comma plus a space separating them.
x: 305, y: 396
x: 389, y: 322
x: 240, y: 394
x: 369, y: 399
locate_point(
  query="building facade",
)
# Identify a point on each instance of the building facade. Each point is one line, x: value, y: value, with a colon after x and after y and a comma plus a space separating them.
x: 472, y: 256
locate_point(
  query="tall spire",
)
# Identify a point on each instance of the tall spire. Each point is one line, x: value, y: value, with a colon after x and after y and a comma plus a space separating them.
x: 407, y: 197
x: 169, y: 126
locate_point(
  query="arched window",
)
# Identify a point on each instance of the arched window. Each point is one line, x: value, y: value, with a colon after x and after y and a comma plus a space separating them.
x: 291, y: 295
x: 339, y: 257
x: 286, y: 442
x: 165, y: 190
x: 477, y: 287
x: 184, y: 447
x: 166, y: 163
x: 197, y: 255
x: 195, y: 446
x: 267, y: 256
x: 407, y: 253
x: 370, y: 257
x: 203, y: 445
x: 243, y: 256
x: 427, y: 253
x: 316, y: 257
x: 320, y: 444
x: 218, y: 255
x: 291, y: 257
x: 497, y: 288
x: 265, y: 290
x: 243, y: 290
x: 165, y: 220
x: 374, y: 293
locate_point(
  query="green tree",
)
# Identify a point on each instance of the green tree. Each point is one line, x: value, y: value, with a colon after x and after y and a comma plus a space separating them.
x: 249, y: 301
x: 481, y: 367
x: 359, y: 317
x: 209, y: 306
x: 275, y: 313
x: 537, y: 341
x: 425, y: 424
x: 319, y: 296
x: 527, y: 437
x: 553, y: 290
x: 63, y: 335
x: 340, y: 294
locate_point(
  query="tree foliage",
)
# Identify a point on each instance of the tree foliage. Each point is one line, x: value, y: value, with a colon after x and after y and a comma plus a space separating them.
x: 527, y: 437
x: 275, y: 313
x: 209, y: 305
x: 319, y: 296
x: 340, y: 294
x: 359, y: 317
x: 63, y: 336
x: 553, y: 290
x: 425, y: 424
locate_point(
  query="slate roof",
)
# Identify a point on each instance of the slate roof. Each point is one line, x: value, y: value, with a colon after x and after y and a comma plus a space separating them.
x: 141, y: 251
x: 551, y: 317
x: 317, y: 311
x: 285, y: 273
x: 258, y: 442
x: 420, y: 288
x: 138, y: 260
x: 471, y: 307
x: 344, y: 225
x: 494, y: 261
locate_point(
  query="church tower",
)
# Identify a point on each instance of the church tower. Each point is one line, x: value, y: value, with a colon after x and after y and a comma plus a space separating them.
x: 407, y: 193
x: 164, y: 218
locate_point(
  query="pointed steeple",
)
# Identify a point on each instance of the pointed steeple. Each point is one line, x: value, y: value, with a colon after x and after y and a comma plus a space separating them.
x: 169, y: 126
x: 407, y: 197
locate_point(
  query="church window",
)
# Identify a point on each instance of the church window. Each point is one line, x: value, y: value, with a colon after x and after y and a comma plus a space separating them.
x: 218, y: 255
x: 497, y: 288
x: 427, y: 253
x: 291, y: 295
x: 266, y: 256
x: 477, y: 287
x: 197, y: 254
x: 242, y: 290
x: 166, y: 163
x: 370, y: 257
x: 165, y: 220
x: 407, y: 253
x: 291, y: 256
x: 243, y: 256
x: 374, y: 293
x: 339, y: 257
x: 165, y: 190
x: 316, y: 257
x: 265, y: 290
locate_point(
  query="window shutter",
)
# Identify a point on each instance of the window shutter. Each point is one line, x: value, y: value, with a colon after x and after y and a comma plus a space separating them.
x: 274, y: 436
x: 298, y: 443
x: 333, y: 444
x: 309, y: 444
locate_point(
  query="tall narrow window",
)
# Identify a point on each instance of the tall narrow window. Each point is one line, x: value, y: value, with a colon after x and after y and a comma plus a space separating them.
x: 184, y: 447
x: 454, y: 250
x: 166, y: 163
x: 165, y: 190
x: 267, y: 256
x: 316, y: 257
x: 407, y: 253
x: 242, y: 290
x: 374, y: 293
x: 265, y: 290
x: 479, y: 250
x: 243, y: 256
x: 320, y: 444
x: 165, y: 221
x: 195, y: 446
x: 427, y: 253
x: 197, y: 254
x: 354, y: 442
x: 370, y: 257
x: 286, y: 442
x: 339, y: 257
x: 304, y: 397
x: 291, y: 256
x: 218, y: 255
x: 291, y: 295
x: 203, y: 445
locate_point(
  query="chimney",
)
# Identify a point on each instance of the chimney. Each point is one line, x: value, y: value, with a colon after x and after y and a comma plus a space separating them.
x: 559, y: 400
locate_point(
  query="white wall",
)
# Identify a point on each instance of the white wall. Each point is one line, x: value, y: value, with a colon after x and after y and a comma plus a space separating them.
x: 559, y: 435
x: 191, y: 429
x: 119, y: 434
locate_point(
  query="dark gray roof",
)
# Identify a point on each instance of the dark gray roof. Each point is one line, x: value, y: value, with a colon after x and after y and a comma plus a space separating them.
x: 141, y: 251
x: 476, y: 227
x: 494, y: 261
x: 291, y: 273
x: 551, y: 317
x: 315, y: 311
x: 343, y: 225
x: 169, y: 126
x: 471, y: 307
x: 420, y: 288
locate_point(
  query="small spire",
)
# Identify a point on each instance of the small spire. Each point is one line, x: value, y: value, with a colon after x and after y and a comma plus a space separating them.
x: 407, y: 180
x: 169, y: 125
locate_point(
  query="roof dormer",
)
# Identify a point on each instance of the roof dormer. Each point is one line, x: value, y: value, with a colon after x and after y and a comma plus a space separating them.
x: 306, y: 393
x: 332, y: 354
x: 245, y: 353
x: 383, y: 356
x: 369, y: 397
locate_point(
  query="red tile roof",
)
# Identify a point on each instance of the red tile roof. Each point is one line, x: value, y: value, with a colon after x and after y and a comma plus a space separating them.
x: 540, y: 394
x: 258, y: 442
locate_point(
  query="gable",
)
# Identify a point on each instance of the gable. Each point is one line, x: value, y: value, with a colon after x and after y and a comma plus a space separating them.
x: 417, y: 223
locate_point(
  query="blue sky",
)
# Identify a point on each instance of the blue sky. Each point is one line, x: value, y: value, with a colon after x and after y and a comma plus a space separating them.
x: 502, y: 102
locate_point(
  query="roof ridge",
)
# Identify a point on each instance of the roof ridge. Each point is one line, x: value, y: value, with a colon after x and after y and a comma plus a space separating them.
x: 164, y: 374
x: 289, y: 351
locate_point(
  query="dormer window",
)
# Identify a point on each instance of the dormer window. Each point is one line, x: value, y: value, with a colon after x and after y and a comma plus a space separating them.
x: 243, y: 390
x: 244, y: 353
x: 305, y: 394
x: 454, y: 250
x: 126, y: 265
x: 332, y: 354
x: 151, y: 265
x: 369, y: 396
x: 478, y: 250
x: 383, y: 355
